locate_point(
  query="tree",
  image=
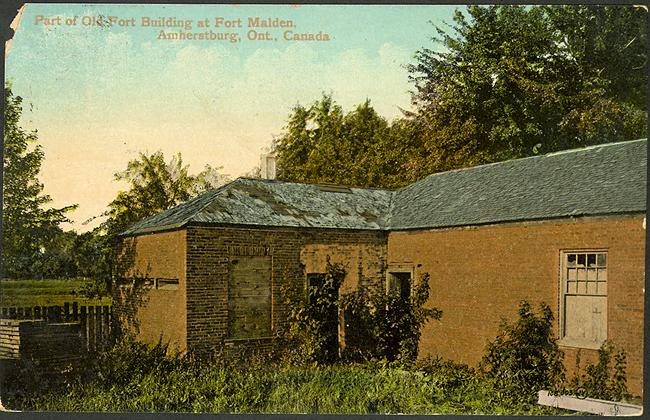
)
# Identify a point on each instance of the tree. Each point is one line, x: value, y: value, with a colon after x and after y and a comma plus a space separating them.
x: 322, y: 144
x: 155, y: 185
x: 30, y: 229
x: 515, y: 81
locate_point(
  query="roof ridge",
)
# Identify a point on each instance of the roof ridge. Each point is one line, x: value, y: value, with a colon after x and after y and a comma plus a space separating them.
x: 281, y: 181
x: 214, y: 192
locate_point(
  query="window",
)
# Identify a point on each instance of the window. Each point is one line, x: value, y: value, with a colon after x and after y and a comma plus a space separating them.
x: 399, y: 284
x: 249, y: 297
x: 583, y: 299
x: 314, y: 281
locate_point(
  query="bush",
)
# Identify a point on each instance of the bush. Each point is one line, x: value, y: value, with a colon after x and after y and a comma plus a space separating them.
x: 524, y: 358
x: 312, y: 333
x: 386, y: 326
x: 605, y: 380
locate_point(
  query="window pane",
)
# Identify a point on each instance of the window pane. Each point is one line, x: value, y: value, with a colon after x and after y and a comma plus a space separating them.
x: 581, y: 260
x: 582, y: 287
x: 582, y: 274
x: 571, y: 260
x: 591, y: 260
x: 602, y: 288
x: 602, y: 260
x: 591, y: 274
x: 602, y: 274
x: 571, y: 287
x: 586, y: 318
x: 572, y: 274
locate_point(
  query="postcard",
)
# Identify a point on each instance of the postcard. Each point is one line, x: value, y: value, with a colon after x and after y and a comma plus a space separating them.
x: 324, y: 209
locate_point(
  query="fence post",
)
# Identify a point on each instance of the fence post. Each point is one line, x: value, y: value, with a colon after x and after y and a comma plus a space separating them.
x: 5, y: 313
x: 20, y: 313
x: 84, y: 328
x: 91, y: 328
x: 75, y: 311
x: 66, y: 311
x: 106, y: 321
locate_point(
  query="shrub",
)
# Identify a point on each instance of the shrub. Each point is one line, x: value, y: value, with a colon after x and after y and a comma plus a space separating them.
x: 606, y: 380
x: 447, y: 374
x: 312, y: 333
x: 386, y: 326
x: 524, y: 358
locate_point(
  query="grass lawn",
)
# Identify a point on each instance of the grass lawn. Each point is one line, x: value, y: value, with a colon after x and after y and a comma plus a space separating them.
x: 319, y: 390
x: 46, y: 292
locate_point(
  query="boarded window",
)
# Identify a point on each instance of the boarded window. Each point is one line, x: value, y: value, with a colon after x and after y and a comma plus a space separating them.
x: 249, y: 297
x: 583, y: 312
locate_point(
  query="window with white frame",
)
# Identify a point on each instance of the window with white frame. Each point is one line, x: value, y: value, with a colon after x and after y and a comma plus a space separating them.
x: 583, y: 298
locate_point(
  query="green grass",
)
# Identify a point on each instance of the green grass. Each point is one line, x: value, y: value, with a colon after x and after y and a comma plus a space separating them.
x: 46, y: 292
x: 325, y: 390
x: 129, y: 379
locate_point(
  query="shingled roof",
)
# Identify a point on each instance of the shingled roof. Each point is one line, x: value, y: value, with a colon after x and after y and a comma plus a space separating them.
x: 597, y: 180
x: 275, y: 203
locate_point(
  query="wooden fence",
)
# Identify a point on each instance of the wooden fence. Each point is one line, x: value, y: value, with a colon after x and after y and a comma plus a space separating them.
x: 95, y: 321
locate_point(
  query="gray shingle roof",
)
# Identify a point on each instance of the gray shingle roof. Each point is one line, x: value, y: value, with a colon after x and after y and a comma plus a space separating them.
x: 276, y: 203
x: 597, y: 180
x: 603, y: 179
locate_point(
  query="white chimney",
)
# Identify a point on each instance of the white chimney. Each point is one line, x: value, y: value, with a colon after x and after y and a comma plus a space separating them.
x: 267, y: 166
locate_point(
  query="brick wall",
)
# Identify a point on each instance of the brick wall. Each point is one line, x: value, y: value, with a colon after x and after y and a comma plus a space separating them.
x: 480, y: 274
x: 149, y: 313
x: 293, y: 253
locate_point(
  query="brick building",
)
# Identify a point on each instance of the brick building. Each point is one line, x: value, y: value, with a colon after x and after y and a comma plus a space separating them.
x: 566, y: 228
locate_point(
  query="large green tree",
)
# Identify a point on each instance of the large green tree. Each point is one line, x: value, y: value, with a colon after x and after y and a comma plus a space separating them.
x: 324, y: 144
x: 30, y: 228
x: 512, y: 81
x: 155, y: 185
x: 500, y: 82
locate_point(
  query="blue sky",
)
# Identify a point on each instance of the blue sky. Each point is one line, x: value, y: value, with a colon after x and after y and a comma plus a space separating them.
x: 99, y: 95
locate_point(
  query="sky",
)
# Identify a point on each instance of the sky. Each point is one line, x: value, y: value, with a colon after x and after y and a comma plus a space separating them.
x: 99, y: 94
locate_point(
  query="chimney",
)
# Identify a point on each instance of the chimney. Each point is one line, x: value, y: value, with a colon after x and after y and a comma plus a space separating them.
x: 267, y: 166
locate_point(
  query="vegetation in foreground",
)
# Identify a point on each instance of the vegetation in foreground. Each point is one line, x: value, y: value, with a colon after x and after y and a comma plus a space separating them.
x: 48, y: 292
x: 133, y: 377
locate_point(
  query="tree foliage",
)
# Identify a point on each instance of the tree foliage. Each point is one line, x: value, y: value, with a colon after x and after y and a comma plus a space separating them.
x: 514, y: 81
x: 311, y: 334
x: 500, y: 82
x: 325, y: 145
x: 155, y: 185
x: 387, y: 326
x: 31, y: 237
